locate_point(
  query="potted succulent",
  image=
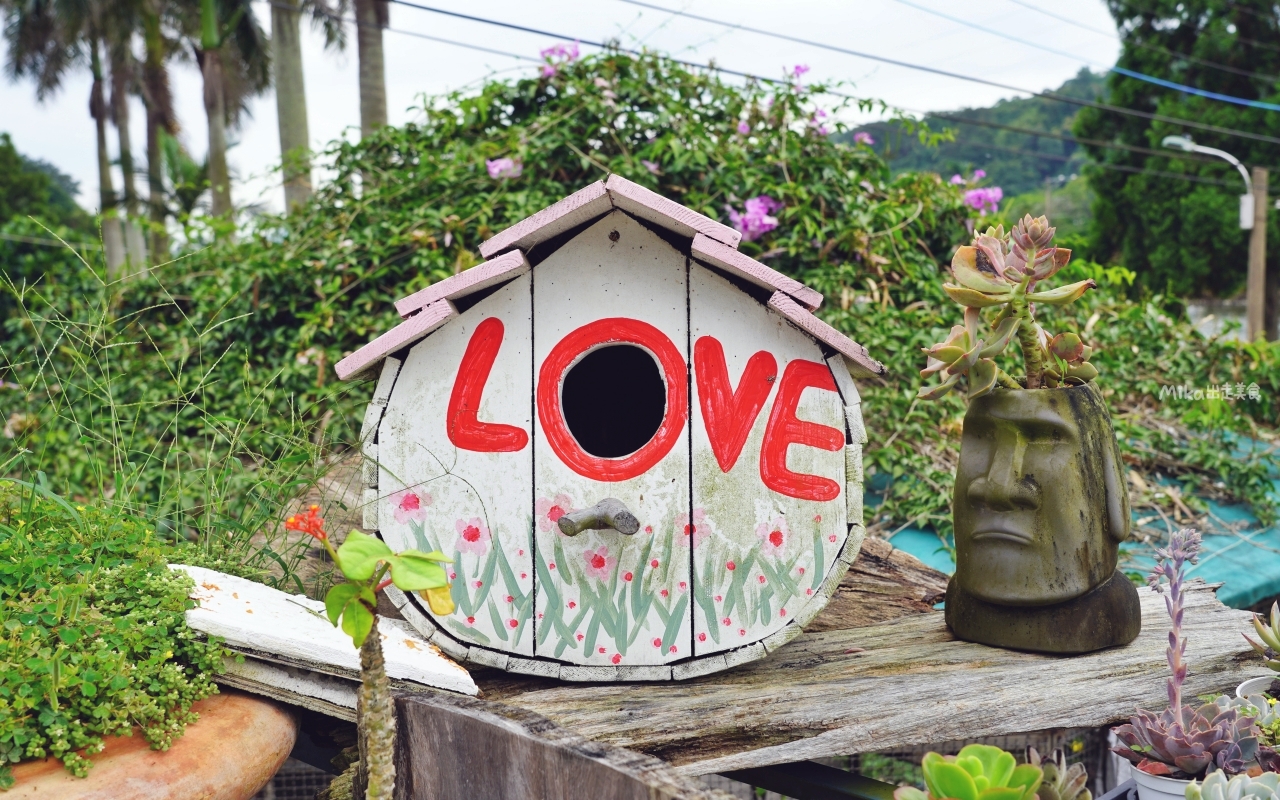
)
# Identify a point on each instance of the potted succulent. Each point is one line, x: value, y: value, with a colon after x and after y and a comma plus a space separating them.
x: 369, y: 566
x: 1269, y: 649
x: 1217, y: 786
x: 1061, y: 782
x: 1185, y: 742
x: 977, y: 772
x: 1040, y: 504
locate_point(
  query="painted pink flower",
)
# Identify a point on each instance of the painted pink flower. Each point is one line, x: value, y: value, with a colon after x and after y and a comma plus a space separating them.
x: 671, y: 649
x: 832, y: 538
x: 757, y: 219
x: 729, y: 565
x: 628, y: 577
x: 657, y: 642
x: 471, y: 621
x: 694, y: 532
x: 862, y: 137
x: 581, y: 637
x: 504, y: 168
x: 773, y: 535
x: 617, y: 659
x: 511, y: 623
x: 664, y: 592
x: 410, y: 506
x: 602, y: 650
x: 702, y: 637
x: 551, y: 510
x: 473, y: 536
x: 599, y: 563
x: 654, y: 563
x: 782, y: 612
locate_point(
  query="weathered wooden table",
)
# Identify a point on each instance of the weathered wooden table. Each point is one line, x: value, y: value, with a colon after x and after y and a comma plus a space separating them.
x: 880, y: 670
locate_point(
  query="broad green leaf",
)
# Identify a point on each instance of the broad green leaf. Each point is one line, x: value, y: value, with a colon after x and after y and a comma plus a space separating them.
x: 964, y: 266
x: 359, y: 555
x: 337, y: 598
x: 997, y: 765
x: 1001, y: 793
x: 434, y: 555
x: 982, y: 378
x: 1063, y: 294
x: 953, y: 781
x: 440, y: 599
x: 412, y: 573
x: 357, y: 621
x: 1028, y: 777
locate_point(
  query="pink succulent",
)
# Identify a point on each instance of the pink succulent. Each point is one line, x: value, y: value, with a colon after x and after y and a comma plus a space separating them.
x: 551, y: 510
x: 599, y: 563
x: 410, y: 506
x: 473, y: 536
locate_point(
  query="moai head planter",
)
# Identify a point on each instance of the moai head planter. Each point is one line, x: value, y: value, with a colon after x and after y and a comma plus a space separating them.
x: 1040, y: 509
x: 639, y: 446
x: 1040, y: 504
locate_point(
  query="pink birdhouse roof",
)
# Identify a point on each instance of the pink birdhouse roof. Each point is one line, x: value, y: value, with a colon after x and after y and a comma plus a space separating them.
x: 712, y: 243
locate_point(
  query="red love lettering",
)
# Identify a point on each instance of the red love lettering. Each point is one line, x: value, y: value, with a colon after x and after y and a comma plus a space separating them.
x: 465, y: 430
x: 785, y: 430
x: 728, y: 414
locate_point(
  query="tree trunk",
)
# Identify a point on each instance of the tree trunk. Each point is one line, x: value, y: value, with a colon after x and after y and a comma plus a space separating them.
x: 135, y: 247
x: 159, y: 106
x: 215, y: 108
x: 376, y: 720
x: 371, y: 18
x: 112, y: 236
x: 291, y: 105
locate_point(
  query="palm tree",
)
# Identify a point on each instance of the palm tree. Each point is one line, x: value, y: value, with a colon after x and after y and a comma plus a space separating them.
x: 291, y: 98
x: 161, y: 119
x: 231, y: 49
x: 46, y: 39
x: 120, y: 54
x: 371, y: 17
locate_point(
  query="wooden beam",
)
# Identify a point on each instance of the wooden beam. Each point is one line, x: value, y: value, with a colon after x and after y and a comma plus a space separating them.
x: 895, y: 684
x: 452, y: 746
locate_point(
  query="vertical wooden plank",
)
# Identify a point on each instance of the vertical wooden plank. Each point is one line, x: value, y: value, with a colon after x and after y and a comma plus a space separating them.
x: 760, y: 555
x: 468, y: 492
x: 607, y: 599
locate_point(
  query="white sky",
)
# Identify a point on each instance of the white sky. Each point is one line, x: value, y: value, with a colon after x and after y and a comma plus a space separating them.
x: 61, y: 131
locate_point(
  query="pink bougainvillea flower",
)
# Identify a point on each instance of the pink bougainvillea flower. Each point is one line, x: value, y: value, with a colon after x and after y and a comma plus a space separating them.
x: 773, y: 535
x: 744, y: 127
x: 473, y: 536
x: 652, y: 166
x: 979, y: 174
x: 815, y: 122
x: 957, y: 180
x: 504, y: 168
x: 557, y: 56
x: 695, y: 532
x: 599, y: 563
x: 862, y: 137
x: 799, y: 70
x: 550, y: 510
x: 985, y: 199
x: 757, y: 219
x: 410, y: 506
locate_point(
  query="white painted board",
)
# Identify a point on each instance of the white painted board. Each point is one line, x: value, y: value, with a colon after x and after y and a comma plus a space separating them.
x: 250, y: 615
x: 604, y: 598
x: 451, y: 490
x: 760, y: 555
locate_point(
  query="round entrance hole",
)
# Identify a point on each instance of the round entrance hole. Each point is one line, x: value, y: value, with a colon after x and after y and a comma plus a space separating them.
x: 614, y: 400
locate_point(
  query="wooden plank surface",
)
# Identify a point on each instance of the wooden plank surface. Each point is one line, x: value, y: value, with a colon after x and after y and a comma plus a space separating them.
x: 893, y: 684
x: 860, y: 362
x: 727, y: 258
x: 450, y: 746
x: 481, y: 276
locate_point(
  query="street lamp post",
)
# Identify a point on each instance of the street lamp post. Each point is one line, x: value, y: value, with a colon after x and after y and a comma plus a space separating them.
x: 1253, y: 218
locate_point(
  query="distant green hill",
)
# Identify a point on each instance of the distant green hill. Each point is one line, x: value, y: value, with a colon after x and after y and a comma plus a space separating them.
x: 1016, y: 162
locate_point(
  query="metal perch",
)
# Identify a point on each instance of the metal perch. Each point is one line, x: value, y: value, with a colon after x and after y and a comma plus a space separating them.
x: 608, y: 513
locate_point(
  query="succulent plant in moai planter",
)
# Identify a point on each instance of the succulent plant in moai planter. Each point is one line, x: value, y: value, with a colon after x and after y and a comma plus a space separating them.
x: 1040, y: 504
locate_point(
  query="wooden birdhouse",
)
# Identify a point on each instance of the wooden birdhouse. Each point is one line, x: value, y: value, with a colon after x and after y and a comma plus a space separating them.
x: 639, y: 446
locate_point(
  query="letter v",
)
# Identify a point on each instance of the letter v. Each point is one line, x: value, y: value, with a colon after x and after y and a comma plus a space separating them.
x: 729, y: 415
x: 465, y: 430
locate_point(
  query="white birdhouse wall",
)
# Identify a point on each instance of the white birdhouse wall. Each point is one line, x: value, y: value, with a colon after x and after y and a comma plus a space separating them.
x: 618, y: 368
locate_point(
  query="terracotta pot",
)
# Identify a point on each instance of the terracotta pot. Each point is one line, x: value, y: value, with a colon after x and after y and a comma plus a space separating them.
x: 1040, y: 509
x: 229, y: 754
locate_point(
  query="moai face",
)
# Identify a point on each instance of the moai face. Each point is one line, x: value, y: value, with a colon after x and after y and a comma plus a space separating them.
x: 1040, y: 506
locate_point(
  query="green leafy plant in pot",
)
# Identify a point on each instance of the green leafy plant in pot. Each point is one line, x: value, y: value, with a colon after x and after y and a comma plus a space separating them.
x: 369, y: 566
x: 1040, y: 504
x: 977, y: 772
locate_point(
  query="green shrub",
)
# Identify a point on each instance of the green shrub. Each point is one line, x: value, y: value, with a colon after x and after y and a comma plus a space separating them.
x: 92, y: 636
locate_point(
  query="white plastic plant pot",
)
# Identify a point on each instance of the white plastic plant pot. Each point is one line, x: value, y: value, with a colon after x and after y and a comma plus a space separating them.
x: 1254, y: 686
x: 1158, y: 787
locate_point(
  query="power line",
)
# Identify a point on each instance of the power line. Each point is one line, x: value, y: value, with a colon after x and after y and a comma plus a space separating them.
x: 1141, y: 76
x: 1048, y: 95
x: 1105, y: 165
x: 1148, y: 46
